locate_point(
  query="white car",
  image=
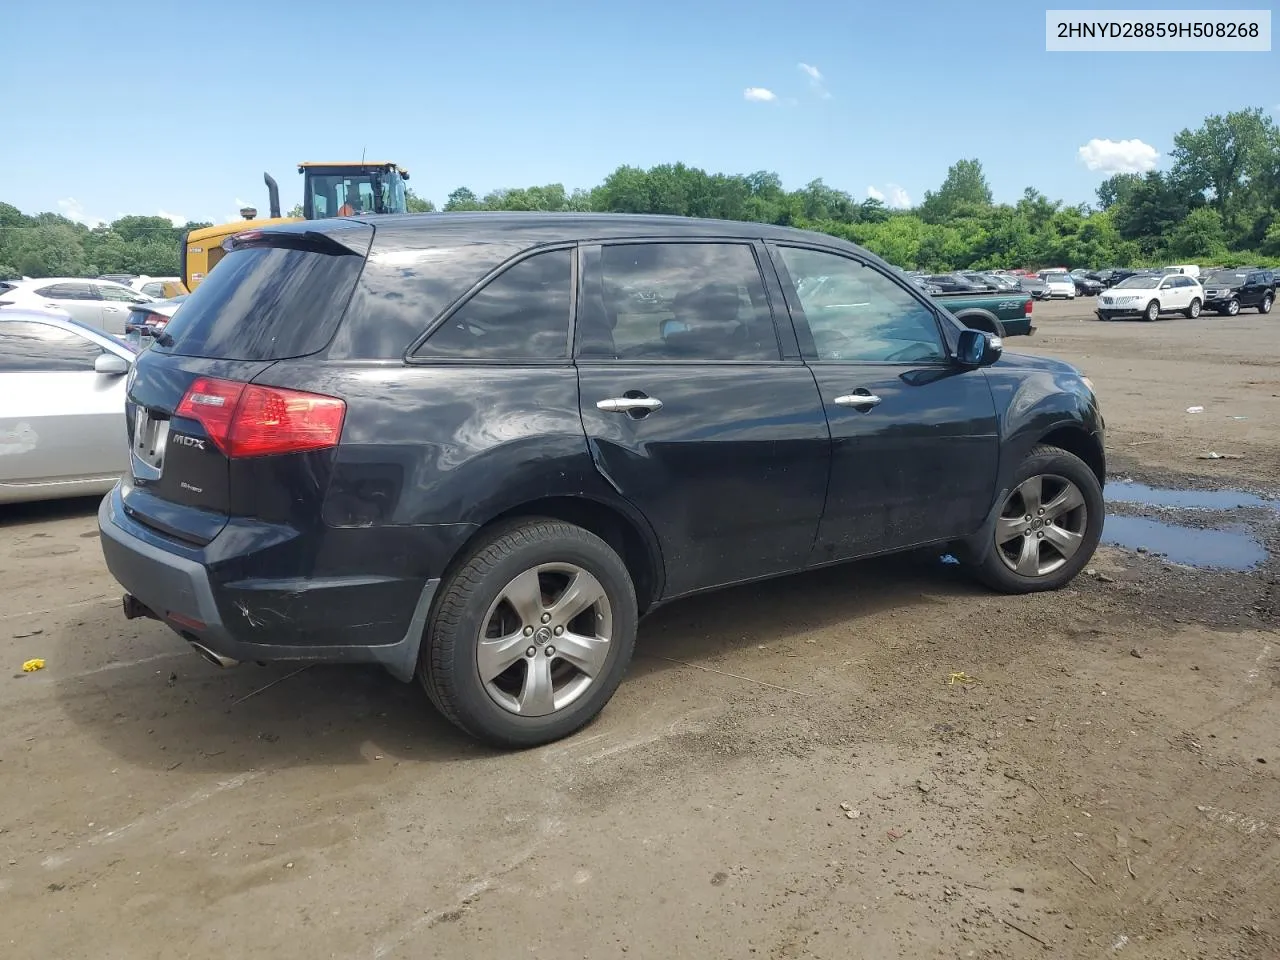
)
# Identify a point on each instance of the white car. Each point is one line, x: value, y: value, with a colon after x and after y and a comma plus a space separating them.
x: 1059, y: 283
x: 1148, y: 295
x: 62, y: 399
x: 101, y: 304
x: 151, y: 286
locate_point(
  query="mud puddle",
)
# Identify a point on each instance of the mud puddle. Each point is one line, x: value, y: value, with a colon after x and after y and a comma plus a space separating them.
x: 1130, y: 491
x: 1226, y: 547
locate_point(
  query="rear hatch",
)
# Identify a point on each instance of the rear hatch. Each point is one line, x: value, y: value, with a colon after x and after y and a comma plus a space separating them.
x: 199, y: 428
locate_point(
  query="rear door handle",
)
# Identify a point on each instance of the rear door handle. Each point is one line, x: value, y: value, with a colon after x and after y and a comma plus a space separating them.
x: 627, y: 404
x: 858, y: 400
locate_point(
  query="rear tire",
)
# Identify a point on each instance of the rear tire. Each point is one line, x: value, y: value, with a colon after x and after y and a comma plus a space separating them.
x: 1192, y: 311
x: 1265, y: 305
x: 1063, y: 499
x: 1152, y: 312
x: 499, y: 604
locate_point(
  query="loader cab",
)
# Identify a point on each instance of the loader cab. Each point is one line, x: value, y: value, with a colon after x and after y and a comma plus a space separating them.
x: 364, y: 188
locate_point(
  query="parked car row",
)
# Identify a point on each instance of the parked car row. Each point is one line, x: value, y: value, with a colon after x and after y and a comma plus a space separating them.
x: 1150, y: 295
x: 100, y: 304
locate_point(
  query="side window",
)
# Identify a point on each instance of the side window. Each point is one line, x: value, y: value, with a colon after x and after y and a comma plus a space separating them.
x: 154, y: 289
x: 39, y: 346
x: 521, y: 314
x: 117, y: 294
x: 63, y: 291
x: 682, y: 301
x: 856, y: 313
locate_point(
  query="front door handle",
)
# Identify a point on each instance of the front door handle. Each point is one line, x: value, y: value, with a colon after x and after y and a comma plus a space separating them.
x: 628, y: 404
x: 858, y: 400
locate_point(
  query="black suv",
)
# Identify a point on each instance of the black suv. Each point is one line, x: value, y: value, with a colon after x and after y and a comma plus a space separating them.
x: 475, y: 448
x: 1226, y: 291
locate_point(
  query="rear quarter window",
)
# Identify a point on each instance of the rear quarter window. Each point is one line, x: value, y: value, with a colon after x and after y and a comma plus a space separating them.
x: 266, y: 303
x: 407, y: 284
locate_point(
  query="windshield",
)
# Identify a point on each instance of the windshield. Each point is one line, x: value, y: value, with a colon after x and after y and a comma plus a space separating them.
x: 1057, y: 278
x: 1231, y: 277
x: 352, y: 193
x: 1138, y: 283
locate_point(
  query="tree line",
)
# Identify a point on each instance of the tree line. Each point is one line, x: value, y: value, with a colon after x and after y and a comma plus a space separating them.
x: 1217, y: 203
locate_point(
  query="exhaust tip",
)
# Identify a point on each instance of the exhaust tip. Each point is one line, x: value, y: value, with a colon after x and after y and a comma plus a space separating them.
x: 217, y: 659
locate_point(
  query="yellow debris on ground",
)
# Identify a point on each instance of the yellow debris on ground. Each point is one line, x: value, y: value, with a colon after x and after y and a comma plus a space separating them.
x: 960, y: 677
x: 31, y: 666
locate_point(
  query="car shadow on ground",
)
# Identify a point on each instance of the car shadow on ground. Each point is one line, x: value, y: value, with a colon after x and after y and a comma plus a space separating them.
x: 13, y: 515
x: 181, y: 710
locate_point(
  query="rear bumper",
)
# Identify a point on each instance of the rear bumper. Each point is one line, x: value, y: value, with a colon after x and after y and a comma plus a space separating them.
x: 177, y: 588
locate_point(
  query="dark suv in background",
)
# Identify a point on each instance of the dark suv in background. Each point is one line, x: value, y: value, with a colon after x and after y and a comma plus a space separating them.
x: 1227, y: 291
x: 476, y: 448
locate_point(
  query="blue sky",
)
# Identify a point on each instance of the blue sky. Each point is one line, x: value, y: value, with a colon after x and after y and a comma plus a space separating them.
x: 150, y: 107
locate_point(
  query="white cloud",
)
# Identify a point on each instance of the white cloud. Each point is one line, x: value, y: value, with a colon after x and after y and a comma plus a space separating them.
x: 815, y: 80
x: 759, y: 95
x: 891, y: 196
x: 72, y: 210
x: 1118, y: 156
x: 176, y: 219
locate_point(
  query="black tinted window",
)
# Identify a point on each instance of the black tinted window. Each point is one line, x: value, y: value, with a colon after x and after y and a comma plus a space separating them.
x: 265, y: 303
x: 681, y: 301
x: 406, y: 285
x: 68, y: 291
x: 521, y: 314
x: 38, y: 346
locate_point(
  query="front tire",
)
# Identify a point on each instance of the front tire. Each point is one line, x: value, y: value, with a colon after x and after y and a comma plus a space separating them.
x: 531, y: 635
x: 1265, y: 305
x: 1233, y: 307
x: 1048, y: 527
x: 1193, y: 311
x: 1152, y: 312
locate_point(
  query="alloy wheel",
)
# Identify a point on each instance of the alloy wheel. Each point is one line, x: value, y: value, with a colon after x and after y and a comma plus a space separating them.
x: 545, y: 639
x: 1041, y: 525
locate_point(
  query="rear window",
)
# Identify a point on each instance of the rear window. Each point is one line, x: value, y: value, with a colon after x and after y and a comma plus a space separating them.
x: 265, y: 303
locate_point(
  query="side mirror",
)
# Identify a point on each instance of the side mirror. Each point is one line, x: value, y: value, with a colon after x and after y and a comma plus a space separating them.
x: 110, y: 364
x: 978, y: 348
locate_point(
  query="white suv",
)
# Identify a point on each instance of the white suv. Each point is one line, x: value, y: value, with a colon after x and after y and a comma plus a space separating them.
x: 1148, y: 295
x: 100, y: 304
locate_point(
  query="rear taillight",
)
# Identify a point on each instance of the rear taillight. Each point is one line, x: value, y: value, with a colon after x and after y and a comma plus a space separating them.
x: 1026, y: 307
x: 158, y: 323
x: 247, y: 420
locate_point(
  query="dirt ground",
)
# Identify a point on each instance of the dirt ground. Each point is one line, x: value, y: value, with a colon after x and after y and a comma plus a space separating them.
x: 785, y: 773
